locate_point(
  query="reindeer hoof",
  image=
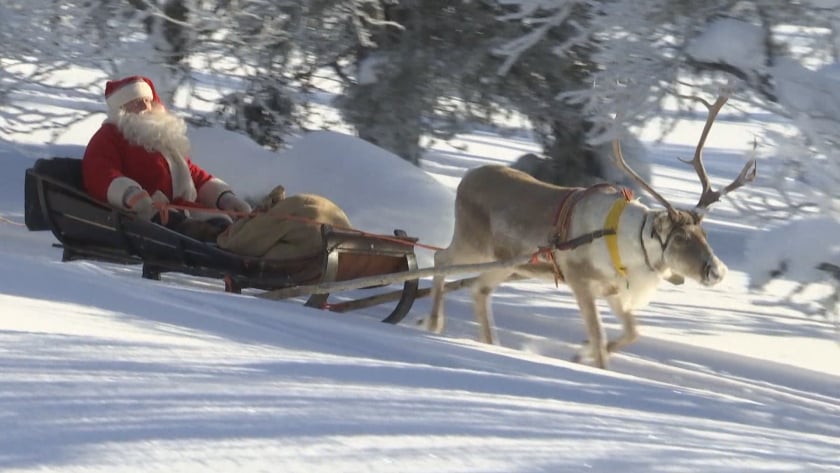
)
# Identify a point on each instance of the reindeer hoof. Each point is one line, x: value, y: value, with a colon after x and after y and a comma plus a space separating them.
x: 586, y: 356
x: 583, y: 355
x: 430, y: 324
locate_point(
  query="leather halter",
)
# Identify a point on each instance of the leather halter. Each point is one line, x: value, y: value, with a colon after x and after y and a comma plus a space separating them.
x: 662, y: 244
x: 642, y: 243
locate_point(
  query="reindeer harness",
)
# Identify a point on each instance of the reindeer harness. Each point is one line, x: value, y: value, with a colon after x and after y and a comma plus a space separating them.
x: 565, y: 210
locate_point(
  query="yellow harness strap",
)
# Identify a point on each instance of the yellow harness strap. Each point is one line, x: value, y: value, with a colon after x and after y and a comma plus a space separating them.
x: 612, y: 239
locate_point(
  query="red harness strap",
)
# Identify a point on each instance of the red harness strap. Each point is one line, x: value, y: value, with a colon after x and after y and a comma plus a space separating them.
x: 566, y: 207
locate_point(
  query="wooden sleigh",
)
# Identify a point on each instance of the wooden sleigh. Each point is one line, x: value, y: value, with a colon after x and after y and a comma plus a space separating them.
x: 88, y: 229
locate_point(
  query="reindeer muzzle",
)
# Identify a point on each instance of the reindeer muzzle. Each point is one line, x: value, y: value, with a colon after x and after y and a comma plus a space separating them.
x: 713, y: 272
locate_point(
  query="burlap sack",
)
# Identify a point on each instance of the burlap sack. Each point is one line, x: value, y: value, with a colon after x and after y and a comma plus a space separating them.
x: 278, y: 231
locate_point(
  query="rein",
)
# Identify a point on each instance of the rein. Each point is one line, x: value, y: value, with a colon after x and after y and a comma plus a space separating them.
x: 556, y: 242
x: 164, y: 208
x: 11, y: 222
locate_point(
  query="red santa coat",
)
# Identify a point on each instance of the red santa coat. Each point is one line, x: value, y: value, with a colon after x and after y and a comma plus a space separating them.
x: 112, y: 165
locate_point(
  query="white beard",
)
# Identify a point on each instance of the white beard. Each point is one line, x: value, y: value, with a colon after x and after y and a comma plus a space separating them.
x: 160, y: 131
x: 155, y: 130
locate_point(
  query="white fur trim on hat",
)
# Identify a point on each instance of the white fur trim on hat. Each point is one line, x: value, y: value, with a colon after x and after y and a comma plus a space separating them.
x: 127, y: 93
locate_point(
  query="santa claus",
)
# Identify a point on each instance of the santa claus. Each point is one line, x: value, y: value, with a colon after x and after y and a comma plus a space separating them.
x: 140, y: 155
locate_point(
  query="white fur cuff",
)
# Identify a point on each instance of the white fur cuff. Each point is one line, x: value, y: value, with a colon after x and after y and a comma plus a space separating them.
x: 117, y: 189
x: 210, y: 192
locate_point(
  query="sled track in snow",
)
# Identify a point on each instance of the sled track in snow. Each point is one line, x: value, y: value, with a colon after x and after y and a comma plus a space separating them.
x: 700, y: 377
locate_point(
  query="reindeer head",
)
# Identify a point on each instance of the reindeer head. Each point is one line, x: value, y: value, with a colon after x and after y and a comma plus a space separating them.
x: 685, y: 249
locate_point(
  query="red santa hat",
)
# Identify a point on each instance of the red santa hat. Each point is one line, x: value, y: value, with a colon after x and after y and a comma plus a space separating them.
x: 120, y: 92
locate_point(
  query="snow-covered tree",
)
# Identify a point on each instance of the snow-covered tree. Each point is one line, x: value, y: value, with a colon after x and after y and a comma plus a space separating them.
x: 552, y: 56
x: 656, y: 53
x: 262, y: 56
x: 40, y: 37
x: 433, y: 70
x: 409, y: 82
x: 106, y: 37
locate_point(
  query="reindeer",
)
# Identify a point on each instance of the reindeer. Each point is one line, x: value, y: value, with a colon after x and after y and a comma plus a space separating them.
x: 503, y: 214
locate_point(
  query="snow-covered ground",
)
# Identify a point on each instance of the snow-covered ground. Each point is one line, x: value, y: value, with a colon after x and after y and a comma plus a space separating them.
x: 105, y: 371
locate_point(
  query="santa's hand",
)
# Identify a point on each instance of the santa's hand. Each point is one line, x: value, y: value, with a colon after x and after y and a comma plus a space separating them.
x: 138, y: 201
x: 229, y: 201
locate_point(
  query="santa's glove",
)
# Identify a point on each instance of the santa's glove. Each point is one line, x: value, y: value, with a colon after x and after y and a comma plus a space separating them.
x: 138, y: 201
x: 229, y: 201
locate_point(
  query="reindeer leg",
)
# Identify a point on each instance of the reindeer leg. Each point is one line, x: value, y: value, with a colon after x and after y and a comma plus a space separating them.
x: 481, y: 290
x: 628, y: 323
x: 437, y: 320
x: 596, y: 345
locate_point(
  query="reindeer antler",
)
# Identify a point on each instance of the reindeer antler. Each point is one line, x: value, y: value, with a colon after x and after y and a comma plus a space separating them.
x: 747, y: 174
x: 619, y: 160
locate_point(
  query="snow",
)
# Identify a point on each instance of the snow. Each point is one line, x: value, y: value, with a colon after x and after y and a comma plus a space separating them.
x: 106, y: 371
x: 730, y: 41
x: 324, y: 163
x: 799, y: 260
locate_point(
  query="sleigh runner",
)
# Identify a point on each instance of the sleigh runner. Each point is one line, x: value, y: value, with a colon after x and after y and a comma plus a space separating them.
x: 88, y: 229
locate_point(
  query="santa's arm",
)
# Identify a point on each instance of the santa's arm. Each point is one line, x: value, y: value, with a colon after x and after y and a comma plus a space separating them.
x: 102, y: 173
x: 210, y: 188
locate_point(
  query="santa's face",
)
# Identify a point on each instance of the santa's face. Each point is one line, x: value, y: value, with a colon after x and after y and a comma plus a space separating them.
x: 139, y: 105
x: 148, y: 124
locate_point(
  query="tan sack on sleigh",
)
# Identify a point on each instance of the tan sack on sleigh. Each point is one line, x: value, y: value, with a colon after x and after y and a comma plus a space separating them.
x: 283, y: 228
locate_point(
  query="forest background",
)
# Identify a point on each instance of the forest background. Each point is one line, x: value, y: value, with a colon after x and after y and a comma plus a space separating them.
x: 406, y: 74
